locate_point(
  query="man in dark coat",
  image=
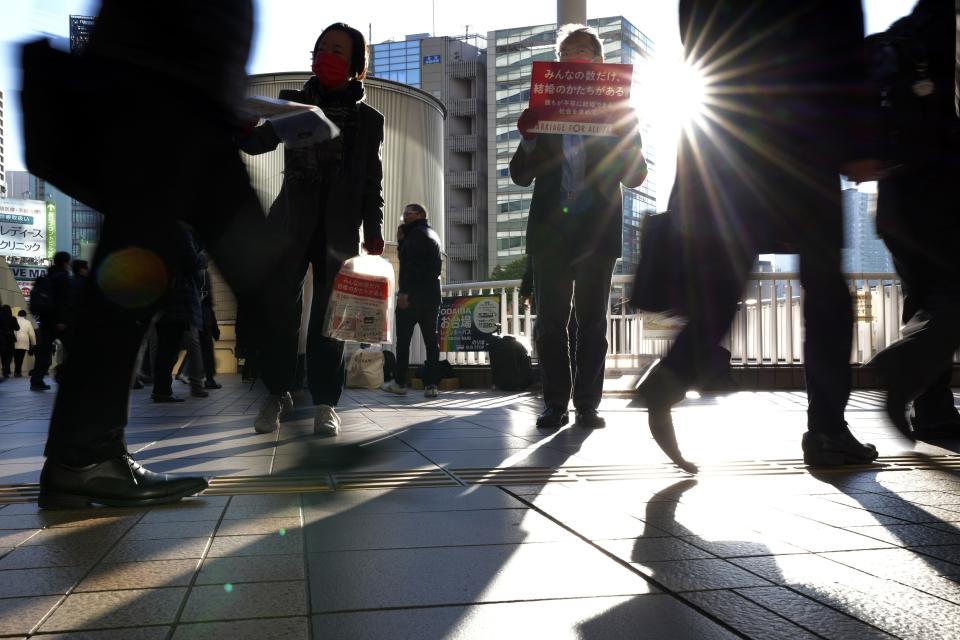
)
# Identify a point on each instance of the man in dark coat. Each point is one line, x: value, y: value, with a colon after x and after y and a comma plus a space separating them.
x: 919, y: 219
x: 785, y: 114
x: 171, y: 156
x: 418, y: 298
x: 57, y: 321
x: 574, y: 237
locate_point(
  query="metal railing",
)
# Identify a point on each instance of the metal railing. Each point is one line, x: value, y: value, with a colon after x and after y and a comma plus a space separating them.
x: 465, y: 143
x: 766, y: 331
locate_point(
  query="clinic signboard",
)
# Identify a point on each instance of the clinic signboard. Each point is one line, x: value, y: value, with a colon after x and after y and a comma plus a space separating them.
x: 27, y: 228
x: 579, y: 97
x: 467, y: 322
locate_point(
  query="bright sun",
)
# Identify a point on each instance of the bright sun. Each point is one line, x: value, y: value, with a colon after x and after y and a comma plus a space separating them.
x: 675, y: 96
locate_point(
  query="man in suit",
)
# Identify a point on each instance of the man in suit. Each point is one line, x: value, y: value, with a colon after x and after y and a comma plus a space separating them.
x: 574, y: 237
x: 172, y: 158
x: 786, y: 112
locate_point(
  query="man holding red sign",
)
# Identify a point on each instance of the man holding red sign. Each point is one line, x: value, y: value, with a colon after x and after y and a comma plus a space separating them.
x: 581, y: 140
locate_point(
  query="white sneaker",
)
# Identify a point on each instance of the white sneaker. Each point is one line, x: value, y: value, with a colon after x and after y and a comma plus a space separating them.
x: 326, y: 422
x: 393, y: 387
x: 431, y: 391
x: 268, y: 420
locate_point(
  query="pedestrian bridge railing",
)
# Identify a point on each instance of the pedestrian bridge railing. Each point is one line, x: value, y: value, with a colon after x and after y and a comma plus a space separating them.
x: 766, y: 331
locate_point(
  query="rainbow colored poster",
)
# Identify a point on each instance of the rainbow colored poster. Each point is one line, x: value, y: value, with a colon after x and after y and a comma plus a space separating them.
x: 467, y: 322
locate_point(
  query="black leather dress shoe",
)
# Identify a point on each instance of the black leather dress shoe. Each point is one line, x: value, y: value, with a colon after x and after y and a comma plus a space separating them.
x: 43, y: 386
x: 165, y: 398
x: 120, y: 482
x: 897, y: 410
x: 212, y: 384
x: 821, y: 450
x: 553, y: 418
x: 588, y: 418
x: 198, y: 391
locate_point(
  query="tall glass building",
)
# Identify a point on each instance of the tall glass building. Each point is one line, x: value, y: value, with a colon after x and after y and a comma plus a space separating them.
x: 510, y: 55
x: 398, y: 61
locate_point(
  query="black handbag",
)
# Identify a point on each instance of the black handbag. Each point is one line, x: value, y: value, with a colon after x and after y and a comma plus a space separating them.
x: 659, y: 284
x: 63, y: 105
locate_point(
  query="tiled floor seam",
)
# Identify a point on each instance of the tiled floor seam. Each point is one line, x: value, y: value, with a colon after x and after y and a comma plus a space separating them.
x: 83, y: 577
x: 656, y: 583
x: 196, y: 572
x: 306, y: 569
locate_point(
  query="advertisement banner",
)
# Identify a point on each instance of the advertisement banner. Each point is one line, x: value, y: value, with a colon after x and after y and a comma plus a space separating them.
x: 23, y: 228
x: 25, y: 275
x: 467, y: 322
x: 51, y: 229
x: 577, y: 97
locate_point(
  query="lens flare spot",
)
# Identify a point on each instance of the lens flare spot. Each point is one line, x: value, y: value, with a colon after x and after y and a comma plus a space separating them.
x: 283, y: 532
x: 228, y: 588
x: 132, y: 277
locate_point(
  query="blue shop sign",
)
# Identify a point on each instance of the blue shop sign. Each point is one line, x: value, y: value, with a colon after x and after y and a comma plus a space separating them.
x: 431, y: 59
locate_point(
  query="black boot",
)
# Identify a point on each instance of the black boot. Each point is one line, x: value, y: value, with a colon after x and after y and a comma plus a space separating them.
x: 120, y: 482
x: 835, y: 449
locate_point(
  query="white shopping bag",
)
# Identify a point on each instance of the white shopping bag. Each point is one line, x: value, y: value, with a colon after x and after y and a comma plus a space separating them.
x: 361, y: 303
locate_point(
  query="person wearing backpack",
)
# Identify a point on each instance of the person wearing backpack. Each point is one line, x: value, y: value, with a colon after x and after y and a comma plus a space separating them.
x: 418, y: 298
x: 51, y: 302
x: 918, y: 215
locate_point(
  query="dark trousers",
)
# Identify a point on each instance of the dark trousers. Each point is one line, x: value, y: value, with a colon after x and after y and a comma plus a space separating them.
x: 426, y: 316
x: 919, y: 366
x: 6, y: 358
x: 214, y: 195
x: 18, y: 356
x: 43, y: 352
x: 169, y: 339
x: 208, y: 355
x: 828, y: 333
x: 326, y: 371
x: 586, y: 284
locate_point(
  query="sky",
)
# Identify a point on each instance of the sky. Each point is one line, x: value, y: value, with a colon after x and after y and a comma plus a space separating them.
x: 287, y: 29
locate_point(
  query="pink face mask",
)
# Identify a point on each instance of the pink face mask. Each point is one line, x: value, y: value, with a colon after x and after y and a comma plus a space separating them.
x: 330, y: 69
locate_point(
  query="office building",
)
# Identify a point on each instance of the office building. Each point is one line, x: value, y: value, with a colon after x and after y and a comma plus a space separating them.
x: 510, y: 55
x: 453, y: 71
x: 864, y: 251
x: 3, y: 168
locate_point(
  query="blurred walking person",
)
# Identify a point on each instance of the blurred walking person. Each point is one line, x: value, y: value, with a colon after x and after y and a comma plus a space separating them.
x: 174, y: 155
x: 786, y: 112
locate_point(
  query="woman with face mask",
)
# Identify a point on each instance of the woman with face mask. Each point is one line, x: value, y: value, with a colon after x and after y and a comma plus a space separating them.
x: 330, y: 190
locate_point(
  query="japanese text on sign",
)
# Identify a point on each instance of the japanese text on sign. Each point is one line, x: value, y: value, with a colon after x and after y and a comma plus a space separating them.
x: 573, y: 97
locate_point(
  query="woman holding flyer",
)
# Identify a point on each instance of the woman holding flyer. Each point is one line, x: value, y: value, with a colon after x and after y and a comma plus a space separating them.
x: 330, y: 189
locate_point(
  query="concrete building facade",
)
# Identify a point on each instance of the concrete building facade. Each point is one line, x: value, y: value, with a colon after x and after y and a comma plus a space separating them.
x: 510, y: 57
x: 453, y: 71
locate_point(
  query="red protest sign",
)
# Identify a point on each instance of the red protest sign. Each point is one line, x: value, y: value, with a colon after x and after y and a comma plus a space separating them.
x: 579, y: 97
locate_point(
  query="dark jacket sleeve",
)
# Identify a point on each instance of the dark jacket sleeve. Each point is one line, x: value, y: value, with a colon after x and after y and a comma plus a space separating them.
x: 373, y: 183
x: 525, y: 164
x: 634, y: 168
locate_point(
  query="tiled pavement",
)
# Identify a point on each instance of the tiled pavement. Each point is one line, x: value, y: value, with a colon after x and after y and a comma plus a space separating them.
x: 463, y: 521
